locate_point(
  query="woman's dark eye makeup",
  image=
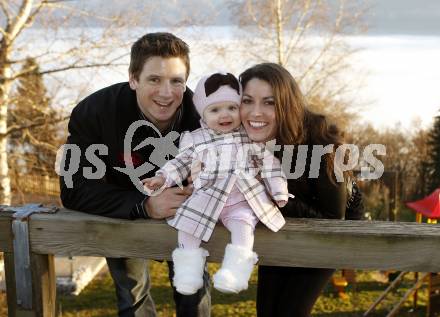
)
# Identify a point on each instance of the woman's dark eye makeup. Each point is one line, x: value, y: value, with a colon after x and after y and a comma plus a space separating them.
x: 269, y: 101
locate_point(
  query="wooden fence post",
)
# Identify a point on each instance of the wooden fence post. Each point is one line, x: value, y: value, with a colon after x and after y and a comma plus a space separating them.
x: 43, y: 287
x: 10, y: 284
x: 30, y: 277
x: 301, y: 242
x: 434, y: 295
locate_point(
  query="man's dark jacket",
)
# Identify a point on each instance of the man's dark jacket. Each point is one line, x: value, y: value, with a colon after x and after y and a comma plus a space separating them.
x: 103, y: 118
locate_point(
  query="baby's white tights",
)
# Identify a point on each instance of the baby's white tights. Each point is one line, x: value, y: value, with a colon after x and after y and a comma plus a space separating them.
x: 242, y: 234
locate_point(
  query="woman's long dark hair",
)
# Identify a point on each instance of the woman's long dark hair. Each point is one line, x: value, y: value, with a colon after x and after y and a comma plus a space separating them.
x: 296, y: 124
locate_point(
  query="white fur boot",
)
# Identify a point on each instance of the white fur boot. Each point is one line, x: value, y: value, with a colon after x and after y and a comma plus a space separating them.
x: 189, y: 265
x: 236, y: 269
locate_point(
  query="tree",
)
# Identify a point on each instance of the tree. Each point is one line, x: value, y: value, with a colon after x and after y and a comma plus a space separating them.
x: 306, y: 37
x: 32, y: 150
x: 434, y: 156
x: 406, y: 153
x: 37, y: 28
x: 420, y: 151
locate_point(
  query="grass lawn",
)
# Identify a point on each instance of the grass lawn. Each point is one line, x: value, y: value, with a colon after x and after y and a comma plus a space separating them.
x: 97, y: 299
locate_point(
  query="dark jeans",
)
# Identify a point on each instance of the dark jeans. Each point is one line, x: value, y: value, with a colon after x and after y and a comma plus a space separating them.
x: 132, y: 284
x: 289, y: 291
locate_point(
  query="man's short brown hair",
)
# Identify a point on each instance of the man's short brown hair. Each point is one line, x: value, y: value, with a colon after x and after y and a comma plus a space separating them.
x: 160, y: 44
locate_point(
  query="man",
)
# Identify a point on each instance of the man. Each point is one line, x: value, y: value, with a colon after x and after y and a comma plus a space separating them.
x: 156, y: 92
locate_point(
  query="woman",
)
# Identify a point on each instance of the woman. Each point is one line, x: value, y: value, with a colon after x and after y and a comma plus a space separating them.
x: 274, y: 108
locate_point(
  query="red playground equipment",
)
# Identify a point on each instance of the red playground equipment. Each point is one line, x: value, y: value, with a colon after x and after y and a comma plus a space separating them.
x: 429, y: 207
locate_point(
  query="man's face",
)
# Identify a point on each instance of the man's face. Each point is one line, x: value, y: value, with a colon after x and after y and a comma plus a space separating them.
x: 159, y: 89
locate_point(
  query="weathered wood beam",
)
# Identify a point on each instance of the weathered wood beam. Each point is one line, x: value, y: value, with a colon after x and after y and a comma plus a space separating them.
x: 43, y: 285
x: 302, y: 242
x: 41, y: 301
x: 10, y: 284
x: 5, y: 232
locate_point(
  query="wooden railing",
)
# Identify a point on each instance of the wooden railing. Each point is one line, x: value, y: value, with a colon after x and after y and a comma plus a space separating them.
x: 301, y: 242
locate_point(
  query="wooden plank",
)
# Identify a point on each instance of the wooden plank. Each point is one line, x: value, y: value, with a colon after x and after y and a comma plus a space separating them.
x: 11, y: 295
x: 302, y: 242
x: 43, y: 285
x: 5, y: 232
x: 408, y: 293
x: 23, y: 274
x: 433, y: 309
x: 385, y: 293
x: 43, y: 277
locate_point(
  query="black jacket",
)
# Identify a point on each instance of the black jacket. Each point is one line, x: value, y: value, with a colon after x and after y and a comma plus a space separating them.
x: 315, y: 197
x: 103, y: 118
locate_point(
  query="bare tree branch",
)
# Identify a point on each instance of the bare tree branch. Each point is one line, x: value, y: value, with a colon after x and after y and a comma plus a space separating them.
x: 257, y: 20
x: 72, y: 67
x: 16, y: 128
x: 299, y: 30
x: 34, y: 14
x: 66, y: 68
x: 5, y: 8
x: 14, y: 29
x: 57, y: 5
x: 84, y: 50
x: 3, y: 32
x: 306, y: 37
x: 279, y: 32
x: 40, y: 143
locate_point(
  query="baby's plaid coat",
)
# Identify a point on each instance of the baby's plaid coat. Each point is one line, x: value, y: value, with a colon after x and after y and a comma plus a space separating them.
x: 215, y: 158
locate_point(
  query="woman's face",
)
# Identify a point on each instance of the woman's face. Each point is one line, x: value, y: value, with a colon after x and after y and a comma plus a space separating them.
x: 257, y: 111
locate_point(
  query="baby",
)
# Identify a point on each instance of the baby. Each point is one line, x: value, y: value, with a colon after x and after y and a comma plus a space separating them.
x: 226, y: 188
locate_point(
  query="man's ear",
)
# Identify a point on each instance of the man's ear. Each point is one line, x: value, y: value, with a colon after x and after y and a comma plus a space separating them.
x: 132, y: 81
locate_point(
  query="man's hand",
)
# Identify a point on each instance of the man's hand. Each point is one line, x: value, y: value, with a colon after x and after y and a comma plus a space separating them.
x: 166, y: 203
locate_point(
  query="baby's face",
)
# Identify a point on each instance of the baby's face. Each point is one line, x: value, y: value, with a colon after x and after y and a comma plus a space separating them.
x: 222, y: 116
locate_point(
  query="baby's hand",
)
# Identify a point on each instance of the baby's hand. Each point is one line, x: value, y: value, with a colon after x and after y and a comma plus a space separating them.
x: 153, y: 183
x: 281, y: 203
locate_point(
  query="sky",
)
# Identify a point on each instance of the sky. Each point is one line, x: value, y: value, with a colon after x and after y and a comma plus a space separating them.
x: 399, y: 57
x: 403, y: 63
x: 417, y: 17
x: 385, y: 16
